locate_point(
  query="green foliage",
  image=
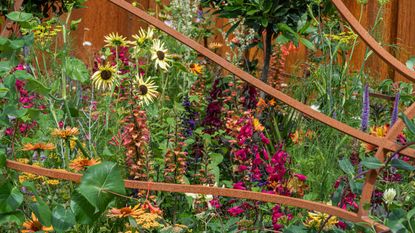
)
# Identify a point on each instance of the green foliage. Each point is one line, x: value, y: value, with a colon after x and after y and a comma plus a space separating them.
x: 10, y: 198
x: 99, y: 184
x: 372, y: 163
x: 62, y: 219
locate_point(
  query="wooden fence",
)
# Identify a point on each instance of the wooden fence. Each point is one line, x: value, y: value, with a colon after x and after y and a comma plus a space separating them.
x: 398, y: 28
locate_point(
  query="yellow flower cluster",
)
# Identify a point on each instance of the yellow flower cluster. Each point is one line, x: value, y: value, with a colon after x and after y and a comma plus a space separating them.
x: 343, y: 37
x: 148, y: 221
x: 45, y: 33
x: 315, y: 221
x: 29, y: 177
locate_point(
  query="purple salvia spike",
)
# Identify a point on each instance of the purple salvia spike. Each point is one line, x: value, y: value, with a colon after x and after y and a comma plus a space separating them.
x: 395, y: 108
x: 365, y: 109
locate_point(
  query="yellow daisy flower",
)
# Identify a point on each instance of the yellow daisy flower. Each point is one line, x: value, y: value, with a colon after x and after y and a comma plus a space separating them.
x: 115, y: 40
x: 196, y: 68
x: 146, y: 90
x: 160, y: 55
x: 105, y: 77
x: 143, y: 36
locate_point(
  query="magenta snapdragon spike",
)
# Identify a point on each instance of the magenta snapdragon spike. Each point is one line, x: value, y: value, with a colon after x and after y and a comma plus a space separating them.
x: 395, y: 110
x: 365, y: 109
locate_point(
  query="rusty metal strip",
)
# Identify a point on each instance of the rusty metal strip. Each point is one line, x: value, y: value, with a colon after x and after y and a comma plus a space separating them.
x: 389, y: 145
x: 200, y: 189
x: 371, y: 42
x: 371, y: 177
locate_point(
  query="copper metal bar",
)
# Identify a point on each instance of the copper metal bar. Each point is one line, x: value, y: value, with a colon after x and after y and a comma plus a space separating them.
x: 371, y: 42
x: 389, y: 145
x: 200, y: 189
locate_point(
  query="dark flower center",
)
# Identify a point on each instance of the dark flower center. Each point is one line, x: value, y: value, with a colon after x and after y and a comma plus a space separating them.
x: 106, y: 74
x: 160, y: 55
x: 36, y: 226
x: 142, y: 90
x: 192, y: 66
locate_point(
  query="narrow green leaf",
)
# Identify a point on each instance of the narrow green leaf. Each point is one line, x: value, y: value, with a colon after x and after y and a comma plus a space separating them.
x: 397, y: 163
x: 13, y: 217
x: 409, y: 124
x: 372, y: 163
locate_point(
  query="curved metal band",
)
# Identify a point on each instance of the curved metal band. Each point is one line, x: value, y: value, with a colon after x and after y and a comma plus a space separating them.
x: 387, y: 144
x: 371, y: 42
x: 200, y: 189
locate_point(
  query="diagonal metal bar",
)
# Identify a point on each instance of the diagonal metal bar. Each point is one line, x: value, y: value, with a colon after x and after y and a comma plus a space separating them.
x: 387, y: 144
x: 200, y: 189
x: 371, y: 42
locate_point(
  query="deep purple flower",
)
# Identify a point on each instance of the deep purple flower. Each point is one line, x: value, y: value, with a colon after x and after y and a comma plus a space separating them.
x: 235, y: 211
x: 395, y: 110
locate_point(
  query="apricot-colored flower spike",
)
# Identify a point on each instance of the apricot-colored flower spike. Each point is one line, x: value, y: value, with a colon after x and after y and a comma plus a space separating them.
x: 66, y: 133
x: 81, y: 163
x: 38, y: 146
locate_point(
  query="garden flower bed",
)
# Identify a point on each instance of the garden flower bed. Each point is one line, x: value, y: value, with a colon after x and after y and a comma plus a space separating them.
x: 149, y: 136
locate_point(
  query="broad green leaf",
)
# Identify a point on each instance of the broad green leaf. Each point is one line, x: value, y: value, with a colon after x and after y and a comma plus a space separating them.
x: 3, y: 90
x: 97, y: 181
x: 76, y: 70
x: 42, y: 212
x: 13, y: 217
x: 84, y: 212
x: 62, y: 219
x: 397, y: 163
x: 356, y: 187
x: 216, y: 158
x: 10, y: 198
x: 372, y: 163
x: 3, y: 158
x: 36, y: 86
x: 409, y: 124
x: 5, y: 67
x: 18, y: 16
x: 347, y: 166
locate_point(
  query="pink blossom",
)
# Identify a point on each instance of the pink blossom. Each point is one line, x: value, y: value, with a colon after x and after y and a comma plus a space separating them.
x: 235, y: 211
x: 239, y: 185
x: 301, y: 177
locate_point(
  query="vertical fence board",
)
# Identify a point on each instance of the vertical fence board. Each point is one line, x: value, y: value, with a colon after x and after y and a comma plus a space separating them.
x: 405, y: 32
x: 398, y: 27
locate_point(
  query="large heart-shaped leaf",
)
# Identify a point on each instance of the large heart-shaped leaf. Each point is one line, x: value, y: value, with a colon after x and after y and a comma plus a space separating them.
x: 83, y: 210
x: 18, y: 16
x: 62, y: 219
x: 76, y: 70
x: 10, y: 198
x: 42, y: 212
x: 13, y: 217
x: 98, y: 184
